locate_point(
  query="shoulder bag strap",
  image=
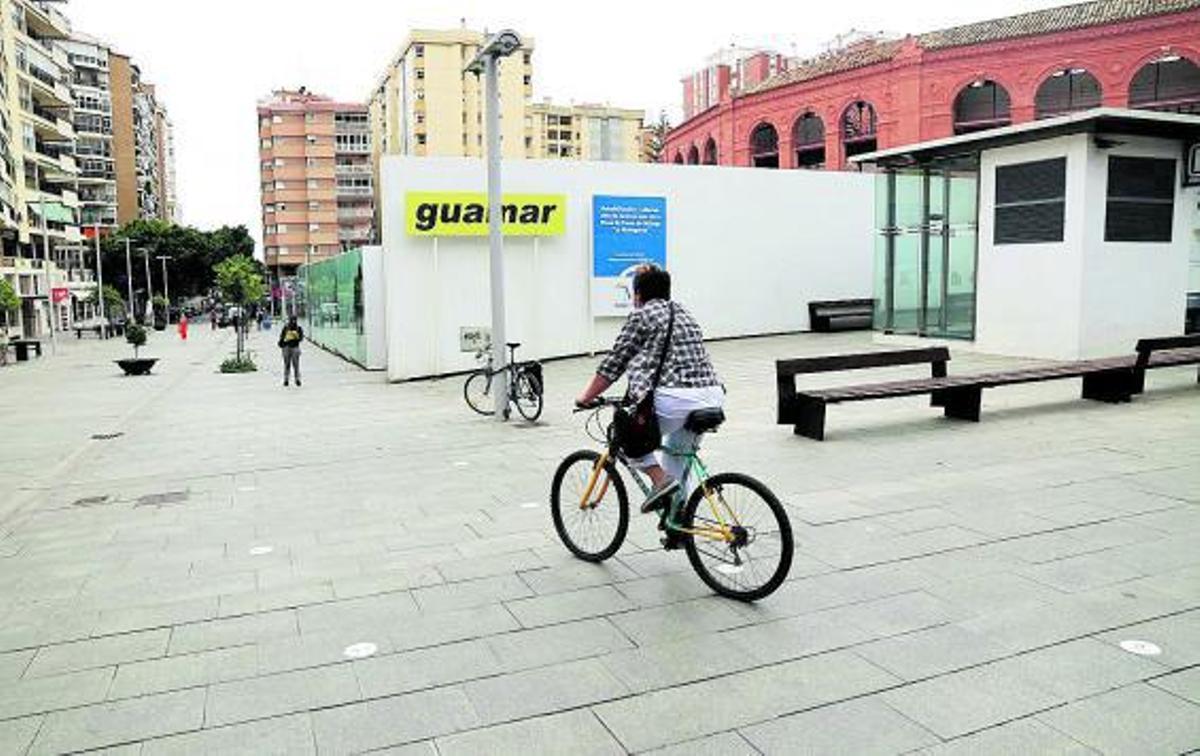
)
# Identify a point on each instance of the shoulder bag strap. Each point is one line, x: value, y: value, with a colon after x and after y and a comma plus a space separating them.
x: 662, y: 358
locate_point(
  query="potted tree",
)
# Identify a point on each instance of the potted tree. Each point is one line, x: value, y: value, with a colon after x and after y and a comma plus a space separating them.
x: 136, y: 335
x: 241, y: 283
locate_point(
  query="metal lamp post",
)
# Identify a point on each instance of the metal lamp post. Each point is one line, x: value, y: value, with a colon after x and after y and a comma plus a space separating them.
x: 149, y: 286
x: 166, y: 286
x: 50, y: 306
x: 487, y: 62
x: 131, y: 310
x: 104, y: 330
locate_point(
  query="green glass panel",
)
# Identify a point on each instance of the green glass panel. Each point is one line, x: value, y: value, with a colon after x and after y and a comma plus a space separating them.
x: 962, y: 200
x: 908, y: 200
x: 906, y: 283
x: 880, y: 281
x: 335, y: 309
x: 960, y: 286
x: 933, y: 286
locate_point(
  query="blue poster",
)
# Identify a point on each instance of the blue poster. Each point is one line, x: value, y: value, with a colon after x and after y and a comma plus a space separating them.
x: 626, y: 232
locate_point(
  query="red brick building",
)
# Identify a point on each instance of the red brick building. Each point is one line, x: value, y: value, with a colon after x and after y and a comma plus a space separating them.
x: 882, y: 93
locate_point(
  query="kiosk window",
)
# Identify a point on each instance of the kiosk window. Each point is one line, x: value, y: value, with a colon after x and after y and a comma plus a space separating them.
x: 1031, y: 202
x: 1141, y: 199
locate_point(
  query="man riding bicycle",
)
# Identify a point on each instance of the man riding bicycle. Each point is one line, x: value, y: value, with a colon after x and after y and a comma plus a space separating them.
x: 660, y: 340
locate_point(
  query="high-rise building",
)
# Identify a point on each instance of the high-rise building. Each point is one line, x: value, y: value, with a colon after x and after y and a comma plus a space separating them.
x: 585, y: 132
x: 425, y: 105
x: 121, y: 134
x: 317, y: 196
x: 39, y: 230
x: 730, y: 69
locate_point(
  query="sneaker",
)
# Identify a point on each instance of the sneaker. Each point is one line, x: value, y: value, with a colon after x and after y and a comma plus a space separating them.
x: 297, y: 382
x: 285, y: 383
x: 660, y: 496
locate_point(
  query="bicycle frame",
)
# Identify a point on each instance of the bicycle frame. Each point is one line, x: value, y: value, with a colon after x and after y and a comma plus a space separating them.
x: 722, y: 532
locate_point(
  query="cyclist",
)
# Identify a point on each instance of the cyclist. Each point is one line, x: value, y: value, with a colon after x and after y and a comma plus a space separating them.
x: 687, y: 381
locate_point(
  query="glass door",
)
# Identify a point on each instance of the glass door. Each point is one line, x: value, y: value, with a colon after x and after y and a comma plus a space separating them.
x: 925, y: 253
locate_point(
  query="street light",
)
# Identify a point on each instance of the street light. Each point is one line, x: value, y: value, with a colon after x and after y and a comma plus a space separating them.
x: 487, y: 62
x: 149, y: 286
x: 166, y: 287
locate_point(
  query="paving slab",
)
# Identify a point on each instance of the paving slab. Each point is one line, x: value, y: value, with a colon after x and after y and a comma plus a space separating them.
x: 542, y: 691
x: 1019, y: 736
x: 575, y: 732
x: 121, y: 722
x: 287, y: 693
x: 281, y: 735
x: 396, y: 720
x: 861, y: 727
x: 1136, y: 719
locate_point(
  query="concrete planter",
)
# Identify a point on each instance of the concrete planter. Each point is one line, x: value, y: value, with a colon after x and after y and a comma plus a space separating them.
x: 137, y: 365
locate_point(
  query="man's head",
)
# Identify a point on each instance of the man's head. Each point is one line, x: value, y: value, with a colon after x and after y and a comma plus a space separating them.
x: 650, y: 283
x: 291, y: 320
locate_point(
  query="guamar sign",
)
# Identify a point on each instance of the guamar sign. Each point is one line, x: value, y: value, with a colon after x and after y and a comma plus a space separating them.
x: 466, y: 214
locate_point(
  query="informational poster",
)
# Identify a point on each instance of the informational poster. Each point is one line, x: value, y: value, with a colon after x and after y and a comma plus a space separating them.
x: 59, y: 294
x: 626, y: 232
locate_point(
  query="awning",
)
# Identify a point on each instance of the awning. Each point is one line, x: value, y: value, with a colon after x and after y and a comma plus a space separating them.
x: 56, y: 212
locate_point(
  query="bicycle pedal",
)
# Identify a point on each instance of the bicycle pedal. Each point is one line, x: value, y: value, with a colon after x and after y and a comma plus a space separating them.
x: 670, y: 542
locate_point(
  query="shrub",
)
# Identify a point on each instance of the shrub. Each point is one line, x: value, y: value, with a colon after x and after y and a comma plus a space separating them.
x: 243, y: 364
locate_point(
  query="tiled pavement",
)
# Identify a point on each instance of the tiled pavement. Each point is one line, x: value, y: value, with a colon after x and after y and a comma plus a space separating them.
x: 190, y: 585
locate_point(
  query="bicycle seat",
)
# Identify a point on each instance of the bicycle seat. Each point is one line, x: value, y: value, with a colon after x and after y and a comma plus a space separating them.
x: 704, y: 420
x: 514, y: 345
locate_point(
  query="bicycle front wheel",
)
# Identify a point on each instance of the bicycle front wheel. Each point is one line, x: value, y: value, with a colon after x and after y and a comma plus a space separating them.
x: 478, y: 392
x: 591, y: 523
x: 527, y: 395
x: 740, y: 539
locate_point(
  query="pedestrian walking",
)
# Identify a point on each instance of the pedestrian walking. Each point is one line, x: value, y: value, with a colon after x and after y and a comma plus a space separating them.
x: 212, y: 318
x: 290, y: 337
x: 183, y: 326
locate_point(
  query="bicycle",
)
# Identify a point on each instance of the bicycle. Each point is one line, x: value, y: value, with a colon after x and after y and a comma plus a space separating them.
x: 524, y: 385
x: 740, y: 545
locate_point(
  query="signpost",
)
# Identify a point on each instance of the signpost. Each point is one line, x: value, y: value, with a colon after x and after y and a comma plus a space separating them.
x: 626, y: 232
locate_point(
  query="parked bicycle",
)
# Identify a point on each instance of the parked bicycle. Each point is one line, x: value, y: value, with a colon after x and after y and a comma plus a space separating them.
x: 736, y: 533
x: 524, y: 385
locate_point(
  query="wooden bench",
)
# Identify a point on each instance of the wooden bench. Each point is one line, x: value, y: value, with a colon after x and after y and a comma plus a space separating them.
x: 1164, y: 352
x: 806, y: 410
x: 22, y: 346
x: 94, y: 328
x: 959, y: 396
x: 848, y: 314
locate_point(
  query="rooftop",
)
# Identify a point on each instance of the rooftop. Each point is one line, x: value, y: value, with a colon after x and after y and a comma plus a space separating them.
x: 1097, y: 120
x: 1051, y: 20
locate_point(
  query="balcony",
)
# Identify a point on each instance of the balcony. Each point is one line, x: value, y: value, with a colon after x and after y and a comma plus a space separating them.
x: 354, y: 191
x: 43, y: 19
x: 356, y: 169
x: 352, y: 149
x: 357, y: 213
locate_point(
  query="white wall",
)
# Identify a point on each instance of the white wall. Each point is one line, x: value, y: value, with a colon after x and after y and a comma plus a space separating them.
x: 1132, y: 290
x: 374, y: 307
x: 747, y: 249
x: 1029, y: 296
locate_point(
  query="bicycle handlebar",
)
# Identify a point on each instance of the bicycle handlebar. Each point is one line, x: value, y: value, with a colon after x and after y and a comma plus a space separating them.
x: 601, y: 401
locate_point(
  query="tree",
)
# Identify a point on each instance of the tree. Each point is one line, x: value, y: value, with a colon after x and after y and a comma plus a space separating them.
x: 136, y: 336
x: 114, y: 303
x: 193, y: 254
x: 656, y: 139
x: 9, y: 301
x: 241, y: 283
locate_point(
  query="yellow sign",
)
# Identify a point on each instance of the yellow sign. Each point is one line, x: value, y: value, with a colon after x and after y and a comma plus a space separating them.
x: 466, y: 214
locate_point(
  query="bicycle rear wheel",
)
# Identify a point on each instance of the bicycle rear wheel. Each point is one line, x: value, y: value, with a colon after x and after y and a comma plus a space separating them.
x: 527, y: 395
x: 757, y: 560
x: 592, y: 531
x: 478, y: 392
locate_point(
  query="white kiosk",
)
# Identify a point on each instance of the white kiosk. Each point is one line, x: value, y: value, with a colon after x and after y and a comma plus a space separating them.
x: 1064, y: 239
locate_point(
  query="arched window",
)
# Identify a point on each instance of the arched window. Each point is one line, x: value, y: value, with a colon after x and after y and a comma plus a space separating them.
x: 1067, y: 91
x: 764, y: 146
x: 1170, y: 83
x: 982, y: 104
x: 693, y: 156
x: 808, y: 140
x: 678, y: 158
x: 710, y: 152
x: 858, y: 128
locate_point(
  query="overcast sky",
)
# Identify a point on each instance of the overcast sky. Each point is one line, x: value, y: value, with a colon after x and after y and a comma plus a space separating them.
x: 213, y: 60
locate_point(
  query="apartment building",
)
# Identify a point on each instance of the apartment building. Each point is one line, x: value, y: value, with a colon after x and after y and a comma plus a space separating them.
x: 123, y: 144
x: 316, y: 178
x: 39, y: 230
x: 585, y: 132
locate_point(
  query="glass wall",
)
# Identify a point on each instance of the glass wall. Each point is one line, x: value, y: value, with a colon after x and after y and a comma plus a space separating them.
x: 925, y: 252
x: 335, y: 305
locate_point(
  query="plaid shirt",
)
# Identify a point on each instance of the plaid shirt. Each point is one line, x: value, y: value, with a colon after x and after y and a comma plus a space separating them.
x: 640, y: 343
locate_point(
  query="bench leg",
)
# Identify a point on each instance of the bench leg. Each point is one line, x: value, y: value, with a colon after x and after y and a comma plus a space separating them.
x: 1111, y: 386
x: 810, y: 419
x: 938, y: 398
x: 962, y: 403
